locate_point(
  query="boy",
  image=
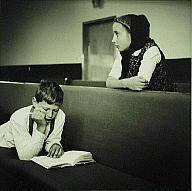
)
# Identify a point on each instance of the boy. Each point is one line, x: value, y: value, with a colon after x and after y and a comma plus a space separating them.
x: 40, y: 124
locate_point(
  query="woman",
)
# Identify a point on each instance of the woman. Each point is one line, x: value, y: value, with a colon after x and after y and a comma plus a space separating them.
x: 139, y: 63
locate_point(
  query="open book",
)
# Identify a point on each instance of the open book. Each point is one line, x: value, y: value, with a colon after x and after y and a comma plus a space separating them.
x: 69, y: 158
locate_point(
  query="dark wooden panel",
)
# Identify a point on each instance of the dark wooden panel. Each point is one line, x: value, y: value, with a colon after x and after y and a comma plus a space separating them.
x: 34, y: 73
x: 180, y: 69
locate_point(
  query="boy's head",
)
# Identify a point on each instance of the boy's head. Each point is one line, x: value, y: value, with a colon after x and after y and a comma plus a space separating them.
x: 48, y: 97
x: 49, y: 92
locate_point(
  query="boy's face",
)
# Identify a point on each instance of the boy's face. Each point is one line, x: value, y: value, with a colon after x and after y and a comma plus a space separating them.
x: 50, y: 110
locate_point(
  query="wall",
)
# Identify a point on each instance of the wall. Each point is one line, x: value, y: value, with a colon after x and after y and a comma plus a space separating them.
x: 47, y: 32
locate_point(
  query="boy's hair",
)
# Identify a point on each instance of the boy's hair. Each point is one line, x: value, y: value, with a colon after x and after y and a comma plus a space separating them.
x: 49, y: 92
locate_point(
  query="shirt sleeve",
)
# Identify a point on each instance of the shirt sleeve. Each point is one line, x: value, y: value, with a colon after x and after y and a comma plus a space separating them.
x: 151, y: 57
x: 55, y: 136
x: 26, y: 145
x: 116, y: 68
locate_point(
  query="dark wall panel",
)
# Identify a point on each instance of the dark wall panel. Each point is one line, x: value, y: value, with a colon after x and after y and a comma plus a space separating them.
x: 34, y: 73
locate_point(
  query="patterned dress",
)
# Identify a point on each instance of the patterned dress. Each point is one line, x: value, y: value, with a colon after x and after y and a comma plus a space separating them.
x: 160, y: 80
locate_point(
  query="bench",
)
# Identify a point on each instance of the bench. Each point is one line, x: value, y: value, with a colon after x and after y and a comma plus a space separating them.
x: 140, y: 140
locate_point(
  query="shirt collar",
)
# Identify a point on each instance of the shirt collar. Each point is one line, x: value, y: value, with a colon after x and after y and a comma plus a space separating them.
x: 136, y: 53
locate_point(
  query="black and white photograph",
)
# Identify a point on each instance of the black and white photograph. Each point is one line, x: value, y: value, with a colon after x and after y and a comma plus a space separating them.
x: 95, y: 95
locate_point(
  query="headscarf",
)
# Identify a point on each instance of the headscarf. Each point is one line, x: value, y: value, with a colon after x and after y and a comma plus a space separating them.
x: 138, y: 26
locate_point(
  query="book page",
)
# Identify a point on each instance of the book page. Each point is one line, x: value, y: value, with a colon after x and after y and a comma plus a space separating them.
x: 69, y: 158
x: 49, y: 162
x: 73, y: 157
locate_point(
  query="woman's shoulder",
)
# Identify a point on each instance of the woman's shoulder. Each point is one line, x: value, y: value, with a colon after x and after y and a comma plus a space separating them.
x: 152, y: 52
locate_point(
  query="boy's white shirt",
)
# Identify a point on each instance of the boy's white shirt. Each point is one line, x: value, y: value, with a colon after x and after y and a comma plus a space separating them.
x: 150, y: 58
x: 15, y: 133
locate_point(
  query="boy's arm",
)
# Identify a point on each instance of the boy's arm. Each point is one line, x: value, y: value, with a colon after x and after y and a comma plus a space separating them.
x: 26, y: 145
x: 55, y: 136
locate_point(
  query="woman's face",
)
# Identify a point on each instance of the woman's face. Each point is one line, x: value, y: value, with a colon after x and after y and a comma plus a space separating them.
x: 121, y: 37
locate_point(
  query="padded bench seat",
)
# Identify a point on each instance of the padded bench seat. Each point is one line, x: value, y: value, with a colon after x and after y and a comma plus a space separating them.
x: 137, y: 139
x: 29, y: 175
x: 4, y: 117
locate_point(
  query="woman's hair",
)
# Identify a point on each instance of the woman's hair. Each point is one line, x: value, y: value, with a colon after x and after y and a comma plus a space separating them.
x: 49, y: 92
x: 138, y: 26
x: 125, y: 20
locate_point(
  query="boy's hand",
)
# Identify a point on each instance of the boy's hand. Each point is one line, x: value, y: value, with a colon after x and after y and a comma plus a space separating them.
x: 38, y: 115
x: 135, y: 83
x: 55, y: 151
